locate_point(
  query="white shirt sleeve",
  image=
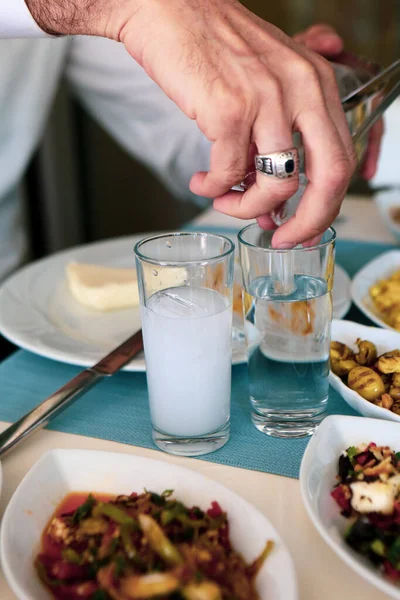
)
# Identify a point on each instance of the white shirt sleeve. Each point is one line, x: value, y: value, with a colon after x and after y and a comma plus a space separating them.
x: 137, y: 113
x: 17, y: 22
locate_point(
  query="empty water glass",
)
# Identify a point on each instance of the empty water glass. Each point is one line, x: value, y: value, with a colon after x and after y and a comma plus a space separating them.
x: 288, y: 313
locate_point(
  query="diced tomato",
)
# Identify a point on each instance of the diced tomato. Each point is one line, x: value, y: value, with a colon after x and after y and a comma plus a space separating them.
x: 224, y: 537
x: 215, y: 510
x: 390, y: 570
x: 63, y: 570
x: 339, y: 495
x: 364, y: 457
x: 75, y: 591
x: 51, y: 548
x: 372, y: 445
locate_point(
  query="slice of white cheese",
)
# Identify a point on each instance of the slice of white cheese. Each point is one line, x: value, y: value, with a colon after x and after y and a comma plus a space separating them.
x: 375, y: 496
x: 103, y: 288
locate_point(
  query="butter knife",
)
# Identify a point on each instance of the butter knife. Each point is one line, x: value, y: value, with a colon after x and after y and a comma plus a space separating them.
x: 40, y: 416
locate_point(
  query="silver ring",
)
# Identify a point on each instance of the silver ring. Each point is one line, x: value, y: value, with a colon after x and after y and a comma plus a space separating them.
x: 281, y: 165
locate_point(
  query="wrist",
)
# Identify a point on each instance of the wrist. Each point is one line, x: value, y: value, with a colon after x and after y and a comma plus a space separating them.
x: 103, y: 18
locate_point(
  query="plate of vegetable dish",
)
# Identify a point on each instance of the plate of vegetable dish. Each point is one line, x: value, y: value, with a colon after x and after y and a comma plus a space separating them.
x: 365, y: 369
x: 350, y: 485
x: 89, y: 525
x: 375, y: 290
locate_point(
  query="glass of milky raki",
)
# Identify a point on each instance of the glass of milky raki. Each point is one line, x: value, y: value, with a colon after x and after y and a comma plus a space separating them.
x: 288, y: 313
x: 185, y: 284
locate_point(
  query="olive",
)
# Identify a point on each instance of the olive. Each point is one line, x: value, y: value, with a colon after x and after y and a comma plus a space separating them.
x: 342, y: 367
x: 389, y: 362
x: 367, y: 353
x: 394, y: 393
x: 366, y: 382
x: 340, y: 351
x: 396, y: 408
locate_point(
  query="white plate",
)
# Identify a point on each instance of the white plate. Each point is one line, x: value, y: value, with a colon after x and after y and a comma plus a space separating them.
x: 347, y: 332
x: 59, y: 472
x: 341, y: 297
x: 317, y: 478
x: 38, y: 313
x: 379, y: 268
x: 385, y: 202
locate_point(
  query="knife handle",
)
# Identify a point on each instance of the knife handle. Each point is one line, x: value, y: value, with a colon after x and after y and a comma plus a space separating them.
x: 39, y: 416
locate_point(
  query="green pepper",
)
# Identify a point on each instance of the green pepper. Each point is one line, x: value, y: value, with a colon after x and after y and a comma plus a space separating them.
x: 394, y: 552
x: 378, y: 547
x: 159, y: 542
x: 83, y: 510
x: 114, y: 513
x: 44, y: 577
x: 127, y: 542
x: 71, y: 556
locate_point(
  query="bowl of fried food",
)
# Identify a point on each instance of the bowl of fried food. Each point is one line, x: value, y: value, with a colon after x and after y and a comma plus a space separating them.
x: 365, y: 369
x: 375, y: 290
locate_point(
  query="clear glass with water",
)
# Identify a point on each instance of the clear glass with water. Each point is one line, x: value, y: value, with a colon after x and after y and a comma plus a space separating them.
x: 288, y: 313
x: 185, y: 283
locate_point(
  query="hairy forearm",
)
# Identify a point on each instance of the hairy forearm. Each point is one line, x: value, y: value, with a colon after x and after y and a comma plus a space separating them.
x: 74, y: 17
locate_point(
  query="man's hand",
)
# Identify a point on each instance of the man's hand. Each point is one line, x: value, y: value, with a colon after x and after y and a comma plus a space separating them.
x: 243, y: 81
x: 325, y: 40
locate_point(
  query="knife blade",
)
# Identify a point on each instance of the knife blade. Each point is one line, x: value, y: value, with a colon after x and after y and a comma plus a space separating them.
x: 41, y: 415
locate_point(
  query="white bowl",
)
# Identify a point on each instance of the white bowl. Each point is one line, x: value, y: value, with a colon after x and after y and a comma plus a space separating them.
x: 317, y: 478
x: 60, y: 472
x: 347, y: 332
x: 385, y: 202
x: 379, y: 268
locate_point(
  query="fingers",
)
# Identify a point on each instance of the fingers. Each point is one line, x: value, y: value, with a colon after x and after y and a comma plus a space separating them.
x: 321, y: 38
x: 370, y: 163
x: 269, y: 135
x: 228, y: 166
x: 328, y: 171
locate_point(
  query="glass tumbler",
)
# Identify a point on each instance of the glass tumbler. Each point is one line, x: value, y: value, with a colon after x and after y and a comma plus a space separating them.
x: 185, y: 285
x: 288, y: 314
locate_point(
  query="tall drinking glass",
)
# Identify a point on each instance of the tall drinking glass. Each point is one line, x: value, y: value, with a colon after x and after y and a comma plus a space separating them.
x: 288, y: 313
x: 185, y: 284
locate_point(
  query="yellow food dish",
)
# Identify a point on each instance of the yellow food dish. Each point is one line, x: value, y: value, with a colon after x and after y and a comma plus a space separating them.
x: 385, y: 295
x: 375, y: 378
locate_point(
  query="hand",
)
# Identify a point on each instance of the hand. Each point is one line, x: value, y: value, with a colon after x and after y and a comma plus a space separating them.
x: 325, y: 40
x: 243, y: 81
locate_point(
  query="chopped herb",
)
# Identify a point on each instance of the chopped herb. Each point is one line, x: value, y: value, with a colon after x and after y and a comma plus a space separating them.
x: 170, y: 514
x: 120, y: 565
x: 83, y: 510
x: 397, y: 456
x: 352, y: 452
x: 167, y: 493
x: 394, y: 552
x: 100, y: 595
x: 157, y: 499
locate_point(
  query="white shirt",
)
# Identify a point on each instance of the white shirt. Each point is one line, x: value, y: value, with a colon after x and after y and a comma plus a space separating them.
x: 114, y: 89
x: 16, y: 21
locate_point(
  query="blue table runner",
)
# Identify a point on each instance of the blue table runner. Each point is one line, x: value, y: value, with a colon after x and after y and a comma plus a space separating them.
x: 117, y: 409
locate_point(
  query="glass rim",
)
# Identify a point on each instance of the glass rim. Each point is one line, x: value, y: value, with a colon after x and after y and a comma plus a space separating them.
x: 179, y: 263
x: 285, y: 250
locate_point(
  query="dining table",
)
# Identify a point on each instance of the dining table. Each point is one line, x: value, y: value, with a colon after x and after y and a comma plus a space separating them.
x: 320, y: 572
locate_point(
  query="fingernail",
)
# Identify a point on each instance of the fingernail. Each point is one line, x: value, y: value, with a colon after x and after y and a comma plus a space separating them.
x: 285, y: 246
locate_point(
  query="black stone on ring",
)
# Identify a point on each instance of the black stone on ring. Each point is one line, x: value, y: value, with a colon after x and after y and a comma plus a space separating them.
x: 278, y: 164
